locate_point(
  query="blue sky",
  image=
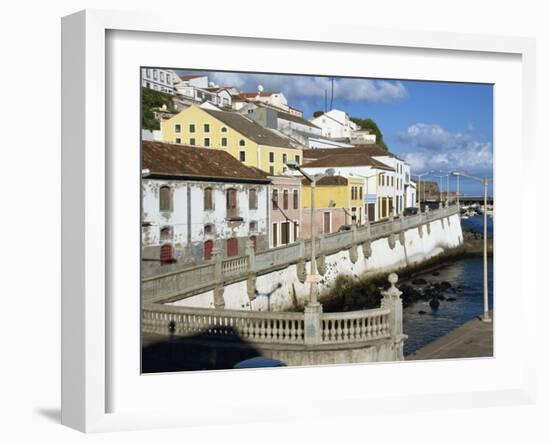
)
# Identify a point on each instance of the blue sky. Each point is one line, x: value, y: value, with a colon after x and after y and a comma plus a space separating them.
x: 432, y: 125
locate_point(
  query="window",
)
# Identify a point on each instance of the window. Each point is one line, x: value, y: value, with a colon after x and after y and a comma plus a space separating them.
x: 209, y: 229
x: 252, y: 199
x: 232, y: 247
x: 284, y: 158
x: 295, y: 199
x: 208, y: 200
x: 231, y: 203
x: 165, y: 199
x: 295, y: 230
x: 274, y: 236
x: 326, y: 222
x: 224, y: 142
x: 207, y: 127
x: 275, y: 198
x: 297, y: 159
x: 148, y: 73
x: 285, y: 199
x: 177, y: 128
x: 178, y: 140
x: 271, y: 157
x: 155, y: 74
x: 166, y: 234
x: 162, y: 76
x: 168, y: 78
x: 208, y: 249
x: 166, y: 254
x: 192, y: 128
x: 271, y: 170
x: 242, y: 156
x: 285, y: 232
x: 241, y: 143
x: 224, y: 129
x: 192, y: 141
x: 361, y: 193
x: 253, y: 226
x: 352, y: 193
x: 254, y: 240
x: 392, y: 180
x: 206, y: 142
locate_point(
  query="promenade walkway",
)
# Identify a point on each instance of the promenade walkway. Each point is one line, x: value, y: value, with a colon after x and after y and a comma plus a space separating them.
x: 474, y: 339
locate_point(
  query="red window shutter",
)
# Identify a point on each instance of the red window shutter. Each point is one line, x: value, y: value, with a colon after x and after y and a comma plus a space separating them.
x: 208, y: 248
x: 253, y: 239
x: 232, y: 247
x: 166, y: 254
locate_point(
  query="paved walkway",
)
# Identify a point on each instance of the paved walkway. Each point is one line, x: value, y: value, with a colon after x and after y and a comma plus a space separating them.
x: 474, y: 339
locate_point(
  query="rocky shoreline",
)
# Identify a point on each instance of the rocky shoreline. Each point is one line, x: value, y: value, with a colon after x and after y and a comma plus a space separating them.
x: 350, y: 294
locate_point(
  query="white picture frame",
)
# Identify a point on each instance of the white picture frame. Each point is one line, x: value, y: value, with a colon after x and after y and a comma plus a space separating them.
x: 86, y: 316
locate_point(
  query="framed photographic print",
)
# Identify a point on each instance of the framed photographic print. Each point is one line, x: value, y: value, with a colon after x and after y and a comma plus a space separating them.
x: 289, y: 218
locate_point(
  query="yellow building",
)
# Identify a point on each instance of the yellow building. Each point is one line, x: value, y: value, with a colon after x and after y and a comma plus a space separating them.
x: 338, y: 202
x: 241, y: 137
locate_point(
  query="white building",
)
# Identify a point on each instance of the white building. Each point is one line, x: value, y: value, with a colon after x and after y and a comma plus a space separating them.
x: 197, y: 89
x: 161, y: 80
x: 195, y: 200
x: 275, y: 99
x: 335, y: 124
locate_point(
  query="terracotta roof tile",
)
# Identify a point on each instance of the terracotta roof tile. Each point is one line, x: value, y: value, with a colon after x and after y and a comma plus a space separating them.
x: 189, y: 162
x: 250, y: 129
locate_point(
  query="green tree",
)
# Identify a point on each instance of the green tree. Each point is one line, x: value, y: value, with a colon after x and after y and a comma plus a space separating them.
x: 151, y: 99
x: 372, y: 127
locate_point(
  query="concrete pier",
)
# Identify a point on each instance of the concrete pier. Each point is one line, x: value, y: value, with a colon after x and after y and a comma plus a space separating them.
x: 474, y: 339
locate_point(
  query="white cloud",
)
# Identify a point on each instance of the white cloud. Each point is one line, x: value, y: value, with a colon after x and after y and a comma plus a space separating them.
x: 296, y: 87
x: 436, y: 148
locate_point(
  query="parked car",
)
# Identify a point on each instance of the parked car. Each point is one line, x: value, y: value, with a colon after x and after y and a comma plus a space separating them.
x: 410, y: 211
x: 259, y: 362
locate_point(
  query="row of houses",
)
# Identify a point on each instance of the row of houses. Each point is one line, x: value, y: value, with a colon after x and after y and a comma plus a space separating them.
x: 221, y: 173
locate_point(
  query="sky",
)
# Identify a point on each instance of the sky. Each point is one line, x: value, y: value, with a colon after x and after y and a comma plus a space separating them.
x: 434, y: 126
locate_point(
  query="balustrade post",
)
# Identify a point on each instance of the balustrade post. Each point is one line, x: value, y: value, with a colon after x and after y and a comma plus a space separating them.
x: 391, y: 299
x: 251, y: 279
x: 219, y: 302
x: 313, y: 324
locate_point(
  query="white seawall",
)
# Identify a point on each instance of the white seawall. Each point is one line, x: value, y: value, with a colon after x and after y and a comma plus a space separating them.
x: 282, y: 290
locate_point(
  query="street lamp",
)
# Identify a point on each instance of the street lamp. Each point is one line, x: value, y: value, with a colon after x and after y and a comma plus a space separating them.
x: 440, y: 183
x: 423, y: 187
x: 447, y: 174
x: 485, y: 181
x: 313, y: 278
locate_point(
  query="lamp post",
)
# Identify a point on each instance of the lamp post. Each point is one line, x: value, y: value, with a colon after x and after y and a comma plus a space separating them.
x: 485, y: 181
x: 313, y: 278
x: 440, y: 184
x: 424, y: 187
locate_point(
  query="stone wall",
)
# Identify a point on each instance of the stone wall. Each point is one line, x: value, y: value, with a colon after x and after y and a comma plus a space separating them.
x: 284, y: 288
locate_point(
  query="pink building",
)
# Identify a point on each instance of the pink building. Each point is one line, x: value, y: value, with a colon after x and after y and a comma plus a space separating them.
x: 285, y: 213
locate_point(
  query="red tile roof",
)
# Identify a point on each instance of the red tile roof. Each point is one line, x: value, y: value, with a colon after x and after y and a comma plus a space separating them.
x: 179, y: 161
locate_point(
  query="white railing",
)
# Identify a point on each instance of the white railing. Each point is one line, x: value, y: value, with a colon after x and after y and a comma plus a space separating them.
x: 359, y: 326
x: 255, y: 327
x: 235, y: 265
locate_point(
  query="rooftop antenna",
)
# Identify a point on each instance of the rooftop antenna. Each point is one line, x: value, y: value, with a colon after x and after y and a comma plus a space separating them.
x: 331, y: 91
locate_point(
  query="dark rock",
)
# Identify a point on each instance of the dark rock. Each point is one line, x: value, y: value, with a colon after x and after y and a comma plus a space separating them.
x: 421, y: 312
x: 419, y: 281
x: 435, y: 273
x: 445, y: 285
x: 441, y: 297
x: 434, y: 303
x: 451, y: 299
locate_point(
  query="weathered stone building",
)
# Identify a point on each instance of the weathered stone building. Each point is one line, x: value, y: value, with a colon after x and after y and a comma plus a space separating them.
x: 197, y: 200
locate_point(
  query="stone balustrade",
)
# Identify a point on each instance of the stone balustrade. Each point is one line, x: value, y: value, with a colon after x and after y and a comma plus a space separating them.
x: 359, y: 326
x: 214, y: 274
x: 290, y: 332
